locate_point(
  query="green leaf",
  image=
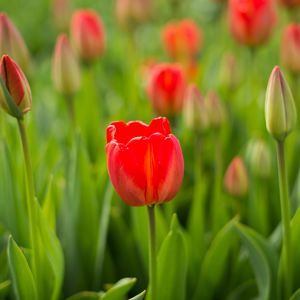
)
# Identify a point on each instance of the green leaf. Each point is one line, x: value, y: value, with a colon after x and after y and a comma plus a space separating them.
x: 214, y: 263
x: 22, y: 278
x: 172, y: 264
x: 139, y: 296
x: 4, y: 288
x: 119, y: 290
x: 296, y: 295
x: 49, y: 206
x: 86, y: 296
x: 264, y: 262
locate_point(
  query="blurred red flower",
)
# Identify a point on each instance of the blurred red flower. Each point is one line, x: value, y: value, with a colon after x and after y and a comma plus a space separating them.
x: 251, y: 21
x: 182, y: 39
x: 145, y: 162
x: 87, y: 33
x: 166, y: 88
x: 290, y: 48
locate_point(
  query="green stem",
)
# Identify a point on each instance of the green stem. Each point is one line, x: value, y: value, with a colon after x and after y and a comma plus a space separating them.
x: 69, y: 99
x: 152, y: 251
x: 30, y: 198
x: 285, y: 215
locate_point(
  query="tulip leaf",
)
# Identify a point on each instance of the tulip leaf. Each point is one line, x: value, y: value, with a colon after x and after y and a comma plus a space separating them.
x: 172, y: 264
x: 140, y: 296
x: 85, y: 296
x: 11, y: 104
x: 214, y: 262
x: 49, y: 206
x: 119, y: 290
x: 296, y: 295
x: 4, y: 288
x: 264, y: 262
x: 22, y: 278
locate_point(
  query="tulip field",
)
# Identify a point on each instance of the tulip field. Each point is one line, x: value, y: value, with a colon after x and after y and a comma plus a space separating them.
x: 149, y: 149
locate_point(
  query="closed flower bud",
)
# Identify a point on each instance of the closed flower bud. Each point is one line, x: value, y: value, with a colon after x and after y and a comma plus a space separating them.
x: 290, y: 48
x: 130, y: 13
x: 166, y: 88
x: 280, y: 109
x: 12, y: 43
x: 251, y: 21
x: 182, y: 40
x: 215, y: 109
x: 61, y: 10
x: 65, y: 67
x: 194, y: 110
x: 145, y: 162
x: 15, y: 94
x: 259, y: 157
x: 236, y: 178
x: 87, y: 34
x: 230, y: 76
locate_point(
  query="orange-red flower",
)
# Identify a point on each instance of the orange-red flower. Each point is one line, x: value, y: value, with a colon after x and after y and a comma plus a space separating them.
x: 290, y: 48
x: 182, y: 40
x: 251, y: 21
x: 145, y: 162
x: 12, y: 43
x: 15, y: 93
x: 166, y: 88
x: 87, y: 34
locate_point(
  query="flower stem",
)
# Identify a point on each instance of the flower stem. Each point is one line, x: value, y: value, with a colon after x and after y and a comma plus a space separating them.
x: 69, y: 99
x: 285, y: 215
x: 152, y: 252
x: 30, y: 198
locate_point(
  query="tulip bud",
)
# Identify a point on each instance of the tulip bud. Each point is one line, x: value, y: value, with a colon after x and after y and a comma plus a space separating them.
x: 12, y: 43
x: 290, y: 48
x: 61, y: 10
x: 236, y: 178
x: 130, y: 13
x: 166, y: 88
x: 215, y: 109
x: 194, y: 110
x: 229, y: 72
x: 15, y: 94
x: 182, y: 39
x: 145, y: 162
x: 280, y: 109
x: 259, y: 157
x: 87, y: 34
x: 251, y: 22
x: 65, y: 67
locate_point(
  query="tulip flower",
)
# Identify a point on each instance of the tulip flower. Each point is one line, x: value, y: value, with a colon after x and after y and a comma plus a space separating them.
x: 15, y: 93
x: 251, y: 22
x: 166, y: 88
x: 87, y: 33
x: 182, y: 39
x: 130, y: 13
x: 65, y: 67
x: 236, y: 178
x: 145, y: 162
x: 215, y: 109
x: 12, y: 43
x: 280, y: 109
x: 290, y: 48
x: 230, y: 72
x: 194, y: 111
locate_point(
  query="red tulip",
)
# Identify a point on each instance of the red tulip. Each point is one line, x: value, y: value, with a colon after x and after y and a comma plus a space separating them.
x: 12, y: 43
x: 290, y: 48
x: 236, y: 178
x: 251, y: 21
x: 145, y: 162
x: 87, y: 34
x: 182, y: 39
x: 15, y: 94
x: 166, y: 88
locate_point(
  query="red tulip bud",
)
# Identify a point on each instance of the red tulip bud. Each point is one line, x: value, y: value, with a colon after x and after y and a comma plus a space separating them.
x: 182, y: 40
x: 236, y: 178
x: 15, y: 94
x: 290, y: 48
x: 195, y: 112
x: 251, y: 21
x: 87, y: 34
x: 166, y: 88
x: 145, y: 162
x: 12, y: 43
x: 65, y: 67
x: 133, y: 12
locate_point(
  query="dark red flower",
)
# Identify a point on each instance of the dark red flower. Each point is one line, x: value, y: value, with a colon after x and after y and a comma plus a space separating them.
x: 145, y: 162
